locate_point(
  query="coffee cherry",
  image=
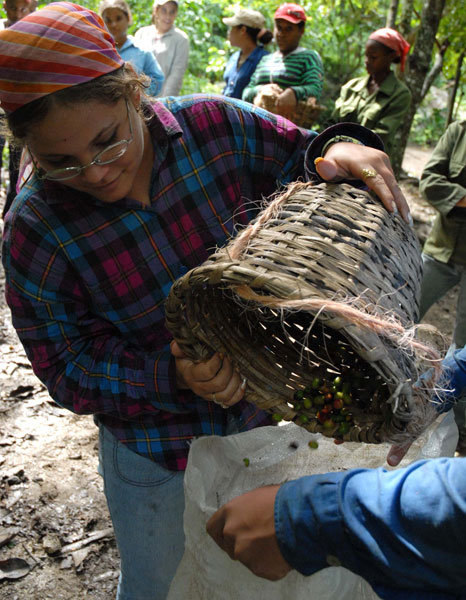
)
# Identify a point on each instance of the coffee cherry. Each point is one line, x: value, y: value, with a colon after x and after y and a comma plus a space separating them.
x: 307, y: 403
x: 337, y: 404
x: 319, y: 400
x: 343, y: 428
x: 315, y: 383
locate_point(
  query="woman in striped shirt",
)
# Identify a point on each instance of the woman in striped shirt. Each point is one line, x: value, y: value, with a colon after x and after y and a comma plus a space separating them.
x: 293, y: 72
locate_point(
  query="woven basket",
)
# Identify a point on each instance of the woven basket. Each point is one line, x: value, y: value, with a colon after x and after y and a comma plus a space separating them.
x: 307, y: 111
x: 274, y: 301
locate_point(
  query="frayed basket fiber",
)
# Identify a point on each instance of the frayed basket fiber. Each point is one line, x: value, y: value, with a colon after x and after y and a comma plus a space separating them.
x: 314, y: 302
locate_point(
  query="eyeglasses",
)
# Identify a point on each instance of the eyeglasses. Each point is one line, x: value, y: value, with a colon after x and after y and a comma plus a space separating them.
x: 107, y: 156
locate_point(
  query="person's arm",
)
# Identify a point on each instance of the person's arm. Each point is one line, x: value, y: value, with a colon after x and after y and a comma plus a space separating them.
x: 85, y: 361
x: 312, y: 77
x: 400, y: 528
x: 152, y: 69
x: 435, y: 184
x: 179, y: 64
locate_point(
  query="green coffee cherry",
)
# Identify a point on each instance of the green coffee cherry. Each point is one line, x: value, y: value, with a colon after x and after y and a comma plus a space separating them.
x: 307, y: 403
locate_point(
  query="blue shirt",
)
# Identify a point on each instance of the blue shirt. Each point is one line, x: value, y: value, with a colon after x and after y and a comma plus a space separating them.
x: 402, y: 530
x: 237, y: 79
x: 144, y: 62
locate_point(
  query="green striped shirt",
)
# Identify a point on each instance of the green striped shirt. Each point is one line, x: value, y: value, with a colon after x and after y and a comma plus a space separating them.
x: 301, y: 70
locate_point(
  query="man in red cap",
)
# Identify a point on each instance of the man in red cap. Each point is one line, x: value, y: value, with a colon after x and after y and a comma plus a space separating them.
x: 293, y: 72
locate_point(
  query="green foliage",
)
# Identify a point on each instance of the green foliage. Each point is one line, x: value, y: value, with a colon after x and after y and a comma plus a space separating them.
x: 337, y: 29
x: 428, y: 126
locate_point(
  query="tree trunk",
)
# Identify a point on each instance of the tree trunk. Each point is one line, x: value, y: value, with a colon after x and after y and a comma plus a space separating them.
x: 418, y: 68
x: 451, y: 100
x: 391, y: 15
x: 405, y: 18
x: 435, y: 70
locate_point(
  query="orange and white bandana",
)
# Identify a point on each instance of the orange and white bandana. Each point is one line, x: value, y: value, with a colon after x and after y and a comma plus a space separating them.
x: 392, y: 39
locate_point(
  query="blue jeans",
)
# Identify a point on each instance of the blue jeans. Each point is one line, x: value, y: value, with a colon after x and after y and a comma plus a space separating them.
x: 437, y: 280
x: 146, y: 504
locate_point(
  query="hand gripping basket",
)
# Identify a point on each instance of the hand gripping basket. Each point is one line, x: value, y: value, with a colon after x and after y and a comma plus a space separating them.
x: 314, y: 302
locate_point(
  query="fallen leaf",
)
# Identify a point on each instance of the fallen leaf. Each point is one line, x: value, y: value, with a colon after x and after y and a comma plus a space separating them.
x: 14, y: 568
x: 7, y: 534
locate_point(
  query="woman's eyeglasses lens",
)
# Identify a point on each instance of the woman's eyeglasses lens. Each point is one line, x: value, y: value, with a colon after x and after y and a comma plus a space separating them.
x: 108, y: 155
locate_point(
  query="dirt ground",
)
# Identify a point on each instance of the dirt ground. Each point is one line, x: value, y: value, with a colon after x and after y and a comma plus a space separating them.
x: 56, y: 540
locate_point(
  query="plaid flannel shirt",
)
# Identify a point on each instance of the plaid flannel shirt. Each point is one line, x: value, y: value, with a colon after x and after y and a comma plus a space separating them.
x: 86, y: 281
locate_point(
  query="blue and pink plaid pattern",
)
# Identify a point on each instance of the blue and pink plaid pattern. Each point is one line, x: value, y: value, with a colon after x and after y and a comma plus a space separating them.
x: 87, y: 281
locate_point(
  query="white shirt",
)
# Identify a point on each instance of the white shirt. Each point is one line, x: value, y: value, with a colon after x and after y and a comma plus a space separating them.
x: 171, y: 49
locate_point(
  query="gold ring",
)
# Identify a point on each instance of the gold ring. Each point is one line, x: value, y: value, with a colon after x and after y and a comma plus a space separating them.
x: 214, y: 399
x: 368, y: 173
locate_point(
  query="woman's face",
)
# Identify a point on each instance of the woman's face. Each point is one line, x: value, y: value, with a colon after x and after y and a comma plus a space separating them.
x: 17, y: 9
x: 164, y: 16
x: 117, y: 23
x: 73, y: 135
x: 234, y: 35
x: 378, y: 58
x: 287, y: 35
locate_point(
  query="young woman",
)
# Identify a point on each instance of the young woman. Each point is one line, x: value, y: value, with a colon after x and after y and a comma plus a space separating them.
x: 169, y: 44
x: 117, y: 16
x: 126, y: 195
x: 297, y: 71
x: 379, y: 100
x: 246, y: 32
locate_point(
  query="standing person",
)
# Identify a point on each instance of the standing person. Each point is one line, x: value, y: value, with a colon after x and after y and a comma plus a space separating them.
x: 443, y: 185
x: 15, y: 10
x: 128, y: 193
x: 169, y: 45
x: 246, y: 32
x: 378, y: 100
x: 117, y: 17
x: 402, y: 530
x: 297, y: 73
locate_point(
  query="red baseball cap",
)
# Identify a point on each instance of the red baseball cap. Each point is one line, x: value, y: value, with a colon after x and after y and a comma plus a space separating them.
x: 290, y: 12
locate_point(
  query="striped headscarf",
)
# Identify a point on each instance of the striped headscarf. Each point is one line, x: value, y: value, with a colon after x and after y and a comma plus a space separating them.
x: 395, y: 41
x: 56, y: 47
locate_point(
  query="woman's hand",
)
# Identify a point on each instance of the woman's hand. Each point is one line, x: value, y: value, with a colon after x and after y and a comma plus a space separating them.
x: 286, y: 103
x: 214, y: 380
x: 245, y: 529
x: 344, y: 160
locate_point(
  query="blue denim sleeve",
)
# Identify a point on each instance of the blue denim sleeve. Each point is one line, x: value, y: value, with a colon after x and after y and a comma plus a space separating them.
x: 397, y: 529
x: 453, y: 382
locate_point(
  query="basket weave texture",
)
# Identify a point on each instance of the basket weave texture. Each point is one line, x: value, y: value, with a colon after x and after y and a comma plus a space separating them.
x: 327, y: 246
x: 306, y: 113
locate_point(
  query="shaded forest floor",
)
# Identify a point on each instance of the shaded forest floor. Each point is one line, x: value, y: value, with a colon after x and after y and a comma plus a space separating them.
x: 53, y: 516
